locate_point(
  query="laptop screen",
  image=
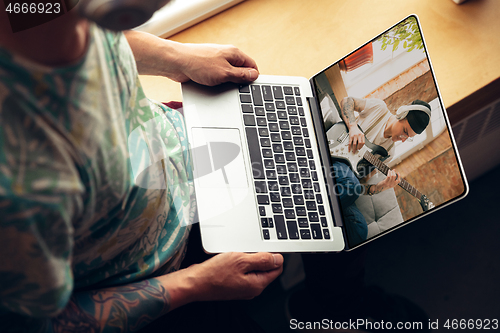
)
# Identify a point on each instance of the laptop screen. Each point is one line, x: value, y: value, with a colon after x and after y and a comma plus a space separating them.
x: 392, y: 154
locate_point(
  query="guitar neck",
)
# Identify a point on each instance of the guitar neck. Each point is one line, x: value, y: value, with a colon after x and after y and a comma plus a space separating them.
x: 385, y: 169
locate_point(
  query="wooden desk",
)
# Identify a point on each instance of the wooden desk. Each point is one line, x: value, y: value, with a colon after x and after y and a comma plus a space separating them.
x: 296, y: 37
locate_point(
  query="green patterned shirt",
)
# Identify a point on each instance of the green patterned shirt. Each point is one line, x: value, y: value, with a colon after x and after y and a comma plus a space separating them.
x: 95, y: 181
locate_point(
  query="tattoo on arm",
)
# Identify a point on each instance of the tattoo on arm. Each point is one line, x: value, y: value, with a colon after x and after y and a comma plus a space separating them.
x: 118, y: 309
x: 348, y: 111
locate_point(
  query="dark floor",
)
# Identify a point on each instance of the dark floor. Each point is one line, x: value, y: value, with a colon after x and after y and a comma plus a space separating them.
x: 448, y: 262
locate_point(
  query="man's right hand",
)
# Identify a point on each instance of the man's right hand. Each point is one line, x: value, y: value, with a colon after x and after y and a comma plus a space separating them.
x: 356, y: 139
x: 229, y: 276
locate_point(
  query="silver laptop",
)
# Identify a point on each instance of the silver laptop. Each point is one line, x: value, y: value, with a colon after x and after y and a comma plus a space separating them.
x: 263, y: 153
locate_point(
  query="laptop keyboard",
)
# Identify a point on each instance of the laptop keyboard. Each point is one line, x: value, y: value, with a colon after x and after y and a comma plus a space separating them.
x: 283, y: 167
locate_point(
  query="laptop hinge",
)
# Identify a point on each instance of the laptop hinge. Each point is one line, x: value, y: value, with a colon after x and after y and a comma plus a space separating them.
x: 324, y: 156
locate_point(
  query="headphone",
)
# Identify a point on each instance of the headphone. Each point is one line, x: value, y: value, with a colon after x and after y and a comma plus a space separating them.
x: 119, y: 14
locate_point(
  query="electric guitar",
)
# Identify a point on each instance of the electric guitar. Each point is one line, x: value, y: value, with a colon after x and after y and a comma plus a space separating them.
x: 338, y: 142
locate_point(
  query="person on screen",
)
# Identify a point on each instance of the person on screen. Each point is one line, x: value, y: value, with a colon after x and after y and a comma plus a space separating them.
x: 382, y: 128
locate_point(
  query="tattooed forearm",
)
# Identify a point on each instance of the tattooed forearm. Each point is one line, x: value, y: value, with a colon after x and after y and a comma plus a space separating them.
x: 348, y: 110
x: 119, y: 309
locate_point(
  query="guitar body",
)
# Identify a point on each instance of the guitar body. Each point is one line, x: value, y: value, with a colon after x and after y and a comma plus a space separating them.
x: 365, y: 158
x: 338, y: 142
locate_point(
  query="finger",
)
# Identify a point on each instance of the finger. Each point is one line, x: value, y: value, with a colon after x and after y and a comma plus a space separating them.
x: 239, y: 59
x: 264, y: 278
x: 242, y: 75
x: 264, y: 262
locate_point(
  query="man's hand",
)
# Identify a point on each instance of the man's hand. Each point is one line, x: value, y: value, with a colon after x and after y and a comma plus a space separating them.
x: 229, y: 276
x: 356, y: 139
x: 207, y: 64
x: 393, y: 178
x: 211, y: 64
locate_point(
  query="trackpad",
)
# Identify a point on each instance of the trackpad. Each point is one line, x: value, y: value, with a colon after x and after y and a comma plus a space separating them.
x: 217, y: 158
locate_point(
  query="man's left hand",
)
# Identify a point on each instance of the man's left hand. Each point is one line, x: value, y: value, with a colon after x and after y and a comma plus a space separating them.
x: 207, y: 64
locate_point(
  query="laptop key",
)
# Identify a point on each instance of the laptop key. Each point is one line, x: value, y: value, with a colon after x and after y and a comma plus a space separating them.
x: 275, y: 137
x: 319, y: 199
x: 301, y: 211
x: 281, y: 169
x: 324, y: 224
x: 288, y: 90
x: 289, y: 214
x: 285, y: 192
x: 245, y: 98
x: 267, y: 153
x: 279, y: 158
x: 244, y: 89
x: 279, y: 221
x: 303, y: 223
x: 316, y: 231
x: 277, y: 92
x: 249, y: 120
x: 263, y: 131
x: 263, y: 199
x: 298, y: 199
x: 292, y: 167
x: 282, y: 115
x: 290, y: 100
x: 274, y: 196
x: 254, y: 150
x: 277, y: 209
x: 277, y: 148
x: 301, y: 110
x: 293, y: 231
x: 287, y: 202
x: 302, y: 161
x: 305, y: 234
x: 271, y: 174
x: 286, y: 135
x: 280, y: 104
x: 273, y: 186
x: 283, y: 180
x: 303, y: 122
x: 267, y: 93
x: 271, y: 116
x: 265, y: 233
x: 288, y: 145
x: 309, y: 194
x: 313, y: 217
x: 260, y: 186
x: 269, y: 164
x: 296, y: 90
x: 270, y: 107
x: 311, y: 205
x: 262, y: 211
x: 326, y: 233
x: 260, y: 111
x: 256, y: 94
x: 296, y: 130
x: 273, y: 127
x: 264, y: 142
x: 246, y: 108
x: 264, y: 222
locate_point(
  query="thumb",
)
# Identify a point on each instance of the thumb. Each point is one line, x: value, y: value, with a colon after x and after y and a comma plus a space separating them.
x: 264, y: 261
x: 243, y: 75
